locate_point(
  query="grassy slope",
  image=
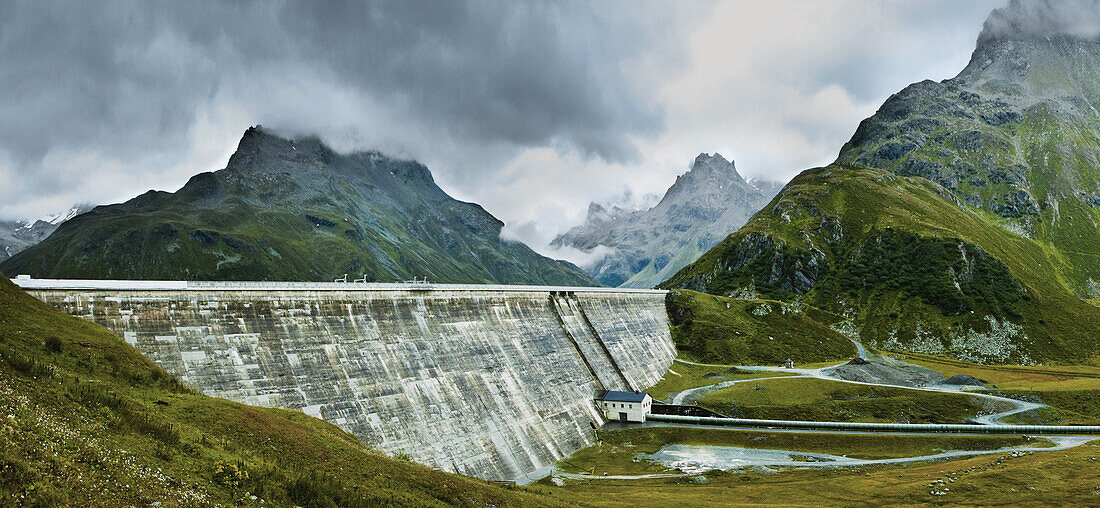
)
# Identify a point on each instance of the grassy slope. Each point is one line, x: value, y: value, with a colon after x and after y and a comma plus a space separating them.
x: 1051, y: 144
x: 861, y: 202
x: 819, y: 399
x: 87, y: 420
x: 716, y: 329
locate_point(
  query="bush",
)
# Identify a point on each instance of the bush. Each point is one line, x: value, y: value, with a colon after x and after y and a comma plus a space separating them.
x: 229, y: 475
x: 53, y: 344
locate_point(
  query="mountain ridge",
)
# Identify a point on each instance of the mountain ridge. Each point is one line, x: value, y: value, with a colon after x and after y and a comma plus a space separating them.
x: 294, y: 209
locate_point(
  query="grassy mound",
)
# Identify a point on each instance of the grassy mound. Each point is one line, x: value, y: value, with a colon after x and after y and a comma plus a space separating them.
x: 86, y: 420
x: 824, y: 400
x: 716, y: 329
x: 1070, y: 391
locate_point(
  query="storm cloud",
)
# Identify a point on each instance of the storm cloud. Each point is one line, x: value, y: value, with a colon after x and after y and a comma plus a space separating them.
x: 112, y: 83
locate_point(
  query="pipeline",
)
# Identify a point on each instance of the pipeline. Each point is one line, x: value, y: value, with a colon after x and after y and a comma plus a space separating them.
x: 862, y: 426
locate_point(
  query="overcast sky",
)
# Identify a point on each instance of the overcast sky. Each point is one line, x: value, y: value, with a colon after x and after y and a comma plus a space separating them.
x: 530, y: 109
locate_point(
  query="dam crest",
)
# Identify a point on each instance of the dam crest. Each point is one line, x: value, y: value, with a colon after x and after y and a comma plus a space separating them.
x: 495, y: 382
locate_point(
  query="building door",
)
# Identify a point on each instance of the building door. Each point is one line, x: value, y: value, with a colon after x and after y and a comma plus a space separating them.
x: 622, y: 417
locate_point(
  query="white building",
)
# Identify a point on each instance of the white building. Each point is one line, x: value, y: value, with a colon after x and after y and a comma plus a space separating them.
x: 625, y: 406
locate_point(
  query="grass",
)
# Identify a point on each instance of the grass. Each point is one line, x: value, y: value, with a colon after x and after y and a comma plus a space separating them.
x: 86, y: 420
x: 715, y: 329
x: 683, y: 376
x: 824, y: 400
x: 1068, y: 407
x: 1064, y: 478
x: 1015, y: 377
x: 616, y: 453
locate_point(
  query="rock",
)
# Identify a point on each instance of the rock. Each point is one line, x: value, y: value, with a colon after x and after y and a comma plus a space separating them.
x: 557, y: 481
x: 763, y: 470
x: 858, y: 361
x: 963, y: 380
x: 700, y: 480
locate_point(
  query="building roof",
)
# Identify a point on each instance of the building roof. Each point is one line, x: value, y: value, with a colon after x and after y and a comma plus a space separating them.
x: 619, y: 396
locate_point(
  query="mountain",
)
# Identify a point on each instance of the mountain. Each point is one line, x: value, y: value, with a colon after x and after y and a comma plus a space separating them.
x: 647, y: 246
x: 16, y: 236
x: 960, y: 219
x: 1014, y: 136
x: 293, y: 209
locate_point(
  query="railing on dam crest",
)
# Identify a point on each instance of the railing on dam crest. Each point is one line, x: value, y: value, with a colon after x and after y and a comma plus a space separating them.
x: 172, y: 285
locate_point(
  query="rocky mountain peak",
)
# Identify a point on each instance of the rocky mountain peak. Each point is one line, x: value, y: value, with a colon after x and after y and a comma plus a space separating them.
x: 261, y: 151
x: 703, y: 206
x: 709, y: 174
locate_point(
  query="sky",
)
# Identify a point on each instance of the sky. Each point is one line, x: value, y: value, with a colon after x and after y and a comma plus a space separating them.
x: 531, y: 109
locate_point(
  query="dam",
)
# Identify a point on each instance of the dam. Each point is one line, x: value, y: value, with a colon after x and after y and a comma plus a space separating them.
x: 495, y: 382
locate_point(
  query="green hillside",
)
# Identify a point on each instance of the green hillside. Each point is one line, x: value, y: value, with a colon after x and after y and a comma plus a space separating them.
x: 286, y: 209
x: 911, y: 268
x: 88, y: 421
x: 717, y: 329
x: 1014, y: 134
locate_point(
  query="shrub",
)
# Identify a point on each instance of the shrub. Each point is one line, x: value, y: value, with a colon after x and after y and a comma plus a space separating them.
x: 229, y: 475
x: 53, y: 344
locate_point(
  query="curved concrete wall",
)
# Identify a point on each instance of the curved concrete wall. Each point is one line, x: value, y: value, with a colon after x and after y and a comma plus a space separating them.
x: 482, y: 383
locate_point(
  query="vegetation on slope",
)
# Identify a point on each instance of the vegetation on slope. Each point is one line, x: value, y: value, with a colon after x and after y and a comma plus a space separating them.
x: 717, y: 329
x: 86, y: 420
x: 859, y: 242
x: 976, y: 235
x: 1012, y: 135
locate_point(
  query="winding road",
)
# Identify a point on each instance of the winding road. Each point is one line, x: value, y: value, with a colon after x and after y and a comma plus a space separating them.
x: 694, y: 459
x: 691, y: 395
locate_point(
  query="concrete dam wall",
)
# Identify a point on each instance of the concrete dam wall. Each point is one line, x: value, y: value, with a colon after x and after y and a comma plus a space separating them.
x: 491, y: 382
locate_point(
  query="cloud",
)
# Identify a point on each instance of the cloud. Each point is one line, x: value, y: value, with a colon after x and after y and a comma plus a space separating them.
x: 1029, y: 18
x: 133, y: 86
